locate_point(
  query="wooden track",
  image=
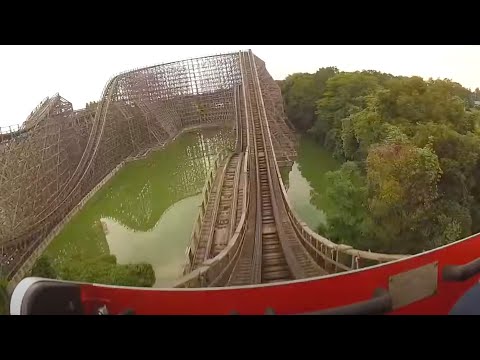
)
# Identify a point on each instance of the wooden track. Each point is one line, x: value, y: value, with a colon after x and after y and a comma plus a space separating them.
x: 271, y: 250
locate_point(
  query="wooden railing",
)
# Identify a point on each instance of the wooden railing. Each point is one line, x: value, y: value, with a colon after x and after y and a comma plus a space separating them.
x: 195, y: 236
x: 215, y: 271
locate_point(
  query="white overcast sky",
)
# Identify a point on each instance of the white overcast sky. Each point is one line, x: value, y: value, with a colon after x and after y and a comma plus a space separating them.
x: 79, y: 72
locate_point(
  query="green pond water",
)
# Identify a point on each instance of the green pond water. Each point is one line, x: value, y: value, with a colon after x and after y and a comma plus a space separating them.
x: 305, y: 182
x: 146, y: 212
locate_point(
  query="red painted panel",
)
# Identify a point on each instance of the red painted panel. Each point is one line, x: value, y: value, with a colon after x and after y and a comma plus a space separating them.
x: 297, y: 297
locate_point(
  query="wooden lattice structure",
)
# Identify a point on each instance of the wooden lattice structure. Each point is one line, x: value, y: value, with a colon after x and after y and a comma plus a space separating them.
x: 51, y: 161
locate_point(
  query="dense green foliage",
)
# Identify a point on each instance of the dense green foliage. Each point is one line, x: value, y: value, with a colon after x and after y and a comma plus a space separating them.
x: 4, y: 299
x: 43, y: 268
x: 103, y: 270
x: 411, y: 176
x: 300, y: 92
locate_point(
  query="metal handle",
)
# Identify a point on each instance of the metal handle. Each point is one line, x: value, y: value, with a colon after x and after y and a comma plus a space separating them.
x: 381, y: 303
x: 461, y: 272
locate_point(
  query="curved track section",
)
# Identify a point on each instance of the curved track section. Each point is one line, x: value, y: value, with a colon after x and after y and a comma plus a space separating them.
x: 82, y: 168
x: 47, y: 170
x: 224, y: 206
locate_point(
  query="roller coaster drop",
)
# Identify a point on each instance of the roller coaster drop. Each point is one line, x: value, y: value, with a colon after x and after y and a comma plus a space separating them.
x: 279, y: 276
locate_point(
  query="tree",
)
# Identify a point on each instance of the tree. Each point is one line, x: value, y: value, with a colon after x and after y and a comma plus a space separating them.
x: 345, y: 94
x: 451, y: 222
x: 4, y: 298
x: 43, y: 268
x: 300, y: 92
x: 458, y: 154
x: 402, y: 188
x: 411, y: 180
x: 105, y: 270
x: 348, y: 221
x: 92, y: 105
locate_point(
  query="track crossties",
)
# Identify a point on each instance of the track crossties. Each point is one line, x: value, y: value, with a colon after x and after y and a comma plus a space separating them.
x: 271, y: 250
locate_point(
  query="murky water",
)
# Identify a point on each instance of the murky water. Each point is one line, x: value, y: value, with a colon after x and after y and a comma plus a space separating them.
x: 306, y: 184
x: 147, y: 211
